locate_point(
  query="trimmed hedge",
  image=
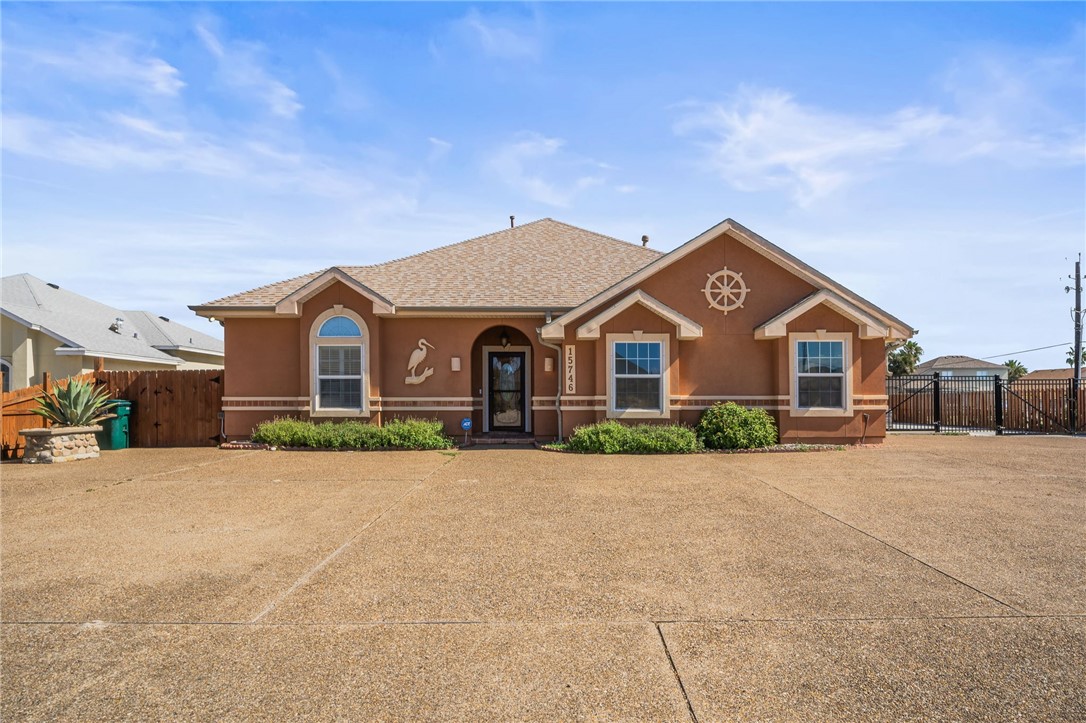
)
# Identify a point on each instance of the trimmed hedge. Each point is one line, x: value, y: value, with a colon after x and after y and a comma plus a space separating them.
x: 730, y: 426
x: 396, y: 434
x: 612, y: 437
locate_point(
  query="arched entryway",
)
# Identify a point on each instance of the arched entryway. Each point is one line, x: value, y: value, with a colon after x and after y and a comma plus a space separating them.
x: 501, y: 371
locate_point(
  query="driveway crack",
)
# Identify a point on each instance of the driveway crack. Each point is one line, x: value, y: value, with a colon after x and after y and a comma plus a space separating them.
x: 675, y: 671
x: 891, y: 546
x: 308, y: 574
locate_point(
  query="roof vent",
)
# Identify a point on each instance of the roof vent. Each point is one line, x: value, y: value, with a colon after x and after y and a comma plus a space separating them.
x: 163, y: 318
x: 512, y: 221
x: 644, y: 240
x: 117, y: 325
x: 135, y: 335
x: 52, y: 286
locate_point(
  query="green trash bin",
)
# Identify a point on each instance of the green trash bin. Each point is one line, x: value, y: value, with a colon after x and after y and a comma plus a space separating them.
x: 114, y: 434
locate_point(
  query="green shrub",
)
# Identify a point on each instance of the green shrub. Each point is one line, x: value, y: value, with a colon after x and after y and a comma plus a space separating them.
x: 730, y: 426
x: 397, y: 434
x: 612, y: 437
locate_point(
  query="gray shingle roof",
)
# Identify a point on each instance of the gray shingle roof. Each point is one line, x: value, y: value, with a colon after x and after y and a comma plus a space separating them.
x: 545, y: 264
x: 954, y: 361
x: 79, y: 322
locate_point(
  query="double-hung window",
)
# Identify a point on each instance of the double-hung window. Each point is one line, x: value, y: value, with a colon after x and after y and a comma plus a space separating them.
x: 338, y: 364
x: 637, y: 376
x: 820, y: 369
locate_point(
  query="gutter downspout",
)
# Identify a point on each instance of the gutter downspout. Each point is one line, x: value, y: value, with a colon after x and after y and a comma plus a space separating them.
x: 561, y: 378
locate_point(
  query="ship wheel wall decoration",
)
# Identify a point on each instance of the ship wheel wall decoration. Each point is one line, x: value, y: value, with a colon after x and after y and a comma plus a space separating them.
x: 725, y: 290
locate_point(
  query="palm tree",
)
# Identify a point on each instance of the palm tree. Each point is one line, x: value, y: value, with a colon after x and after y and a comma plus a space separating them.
x: 903, y: 359
x: 1071, y: 356
x: 1015, y: 370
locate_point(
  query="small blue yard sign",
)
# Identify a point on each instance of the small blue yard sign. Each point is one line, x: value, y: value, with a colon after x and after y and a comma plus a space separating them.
x: 465, y: 423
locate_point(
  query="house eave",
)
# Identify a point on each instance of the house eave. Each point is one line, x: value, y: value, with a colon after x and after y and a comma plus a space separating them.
x: 869, y: 326
x: 80, y: 351
x: 191, y: 350
x: 685, y: 328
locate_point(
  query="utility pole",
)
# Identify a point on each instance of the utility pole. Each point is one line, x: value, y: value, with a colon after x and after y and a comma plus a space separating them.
x: 1078, y: 318
x: 1076, y: 380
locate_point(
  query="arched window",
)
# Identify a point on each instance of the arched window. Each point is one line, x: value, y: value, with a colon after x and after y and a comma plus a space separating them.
x: 339, y: 326
x: 339, y: 375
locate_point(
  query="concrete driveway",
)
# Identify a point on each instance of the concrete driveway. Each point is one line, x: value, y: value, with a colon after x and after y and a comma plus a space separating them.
x: 929, y: 578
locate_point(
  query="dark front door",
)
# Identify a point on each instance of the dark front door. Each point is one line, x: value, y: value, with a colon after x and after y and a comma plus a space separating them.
x: 506, y: 403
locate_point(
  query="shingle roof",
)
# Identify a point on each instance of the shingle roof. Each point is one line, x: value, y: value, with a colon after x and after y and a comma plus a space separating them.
x: 82, y: 323
x: 545, y: 264
x: 163, y: 333
x: 954, y: 361
x: 1065, y: 373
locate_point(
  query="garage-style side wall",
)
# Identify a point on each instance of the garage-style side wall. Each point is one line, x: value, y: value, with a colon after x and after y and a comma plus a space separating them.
x: 263, y: 372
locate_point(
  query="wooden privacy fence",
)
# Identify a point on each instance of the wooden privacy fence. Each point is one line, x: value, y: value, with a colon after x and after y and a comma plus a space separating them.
x: 15, y: 415
x: 170, y: 408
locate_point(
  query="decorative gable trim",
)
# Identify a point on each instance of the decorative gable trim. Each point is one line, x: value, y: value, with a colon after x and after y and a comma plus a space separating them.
x: 685, y: 327
x: 777, y: 327
x: 291, y: 305
x: 899, y: 329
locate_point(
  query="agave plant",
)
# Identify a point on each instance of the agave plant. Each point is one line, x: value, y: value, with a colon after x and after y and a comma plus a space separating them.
x: 79, y: 404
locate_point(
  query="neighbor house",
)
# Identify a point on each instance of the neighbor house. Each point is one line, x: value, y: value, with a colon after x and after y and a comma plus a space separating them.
x: 1066, y: 373
x: 957, y: 365
x: 45, y: 328
x: 545, y: 326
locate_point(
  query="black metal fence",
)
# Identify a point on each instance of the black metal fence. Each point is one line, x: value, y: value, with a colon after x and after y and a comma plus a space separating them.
x: 989, y: 403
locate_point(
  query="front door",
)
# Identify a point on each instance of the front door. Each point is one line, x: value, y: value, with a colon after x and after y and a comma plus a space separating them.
x: 506, y: 402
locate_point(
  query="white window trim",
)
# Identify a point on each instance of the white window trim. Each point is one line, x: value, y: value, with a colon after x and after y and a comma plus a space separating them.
x: 793, y: 374
x: 665, y: 374
x: 315, y: 409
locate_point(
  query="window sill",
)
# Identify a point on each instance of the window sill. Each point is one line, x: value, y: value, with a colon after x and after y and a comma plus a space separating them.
x: 821, y: 412
x: 339, y: 413
x: 638, y: 414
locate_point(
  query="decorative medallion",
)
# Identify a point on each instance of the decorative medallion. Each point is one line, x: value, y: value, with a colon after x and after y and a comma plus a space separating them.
x: 417, y: 357
x: 725, y: 290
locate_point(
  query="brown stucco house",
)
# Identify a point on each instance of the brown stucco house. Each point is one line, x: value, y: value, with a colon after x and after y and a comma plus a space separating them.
x: 543, y: 327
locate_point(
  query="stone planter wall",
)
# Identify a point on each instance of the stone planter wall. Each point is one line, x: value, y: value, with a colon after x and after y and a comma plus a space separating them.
x: 60, y: 444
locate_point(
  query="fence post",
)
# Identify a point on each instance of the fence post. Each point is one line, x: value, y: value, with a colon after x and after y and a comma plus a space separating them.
x: 998, y: 404
x: 936, y: 403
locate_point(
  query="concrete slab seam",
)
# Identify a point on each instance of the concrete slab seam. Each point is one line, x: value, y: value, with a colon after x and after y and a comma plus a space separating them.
x: 675, y: 671
x: 892, y: 547
x: 517, y: 623
x: 233, y: 456
x: 339, y: 550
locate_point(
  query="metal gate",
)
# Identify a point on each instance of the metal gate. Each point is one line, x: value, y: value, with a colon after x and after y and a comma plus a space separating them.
x: 988, y: 403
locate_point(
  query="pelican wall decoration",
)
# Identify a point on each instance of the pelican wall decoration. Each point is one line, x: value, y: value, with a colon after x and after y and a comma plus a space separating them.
x: 417, y: 357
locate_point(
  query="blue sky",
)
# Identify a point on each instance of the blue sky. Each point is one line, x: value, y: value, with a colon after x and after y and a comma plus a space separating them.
x: 928, y: 156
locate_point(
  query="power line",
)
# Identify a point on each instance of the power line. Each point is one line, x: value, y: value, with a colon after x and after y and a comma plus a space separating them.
x: 1026, y: 351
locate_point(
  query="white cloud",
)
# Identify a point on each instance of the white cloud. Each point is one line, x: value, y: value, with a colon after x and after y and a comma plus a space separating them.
x: 438, y: 148
x: 126, y: 142
x: 499, y: 35
x: 764, y: 138
x: 524, y: 162
x: 241, y: 70
x: 107, y: 59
